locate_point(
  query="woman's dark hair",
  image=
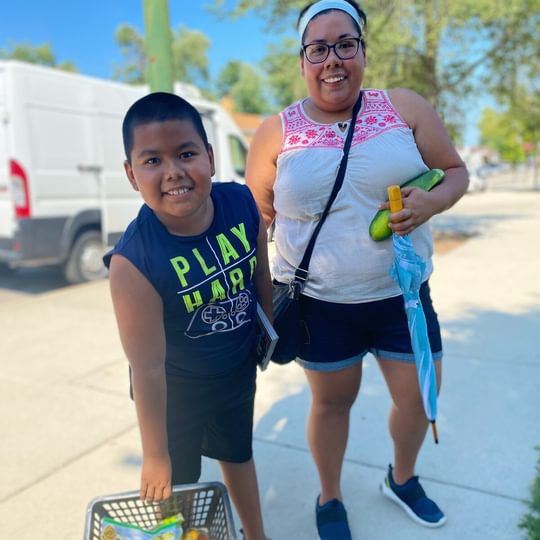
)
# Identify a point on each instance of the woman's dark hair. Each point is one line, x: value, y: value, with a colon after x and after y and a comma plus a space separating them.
x: 159, y: 107
x: 355, y: 5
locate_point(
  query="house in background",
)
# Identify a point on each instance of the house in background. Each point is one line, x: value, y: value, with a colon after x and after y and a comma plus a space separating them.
x: 247, y: 122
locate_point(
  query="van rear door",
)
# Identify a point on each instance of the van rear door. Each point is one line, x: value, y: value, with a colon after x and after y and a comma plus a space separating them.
x: 119, y: 202
x: 7, y: 219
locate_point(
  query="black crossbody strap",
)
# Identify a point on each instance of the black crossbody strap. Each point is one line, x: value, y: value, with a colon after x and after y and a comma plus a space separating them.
x: 302, y: 273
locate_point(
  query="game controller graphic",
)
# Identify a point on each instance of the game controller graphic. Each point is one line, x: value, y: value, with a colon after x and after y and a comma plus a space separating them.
x: 221, y: 316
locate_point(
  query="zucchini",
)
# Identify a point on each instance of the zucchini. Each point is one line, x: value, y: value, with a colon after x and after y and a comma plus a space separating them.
x: 378, y: 228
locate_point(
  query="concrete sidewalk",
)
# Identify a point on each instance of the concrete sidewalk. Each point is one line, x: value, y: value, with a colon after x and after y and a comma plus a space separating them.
x: 70, y: 434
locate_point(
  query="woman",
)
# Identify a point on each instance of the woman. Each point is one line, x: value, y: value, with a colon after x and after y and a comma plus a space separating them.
x: 351, y: 305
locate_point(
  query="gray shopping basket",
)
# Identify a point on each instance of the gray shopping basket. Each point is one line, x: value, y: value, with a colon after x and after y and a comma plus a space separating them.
x: 202, y: 505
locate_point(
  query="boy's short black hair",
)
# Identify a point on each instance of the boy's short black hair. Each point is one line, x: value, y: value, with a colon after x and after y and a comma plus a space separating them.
x: 159, y: 107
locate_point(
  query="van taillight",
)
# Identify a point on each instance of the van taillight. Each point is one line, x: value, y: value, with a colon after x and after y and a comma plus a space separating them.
x: 19, y: 190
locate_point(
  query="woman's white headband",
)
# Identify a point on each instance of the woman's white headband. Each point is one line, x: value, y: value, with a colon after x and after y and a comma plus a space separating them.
x: 323, y: 5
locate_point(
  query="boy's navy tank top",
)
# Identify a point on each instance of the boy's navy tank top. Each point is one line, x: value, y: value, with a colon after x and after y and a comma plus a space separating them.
x: 205, y: 282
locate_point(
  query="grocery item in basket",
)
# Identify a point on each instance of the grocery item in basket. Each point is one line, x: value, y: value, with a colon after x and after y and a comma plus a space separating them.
x: 168, y: 529
x: 196, y: 533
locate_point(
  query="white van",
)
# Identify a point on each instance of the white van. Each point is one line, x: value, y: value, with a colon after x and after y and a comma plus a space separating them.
x: 63, y: 191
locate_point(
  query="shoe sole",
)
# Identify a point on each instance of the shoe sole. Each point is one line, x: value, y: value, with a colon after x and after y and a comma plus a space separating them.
x: 387, y: 492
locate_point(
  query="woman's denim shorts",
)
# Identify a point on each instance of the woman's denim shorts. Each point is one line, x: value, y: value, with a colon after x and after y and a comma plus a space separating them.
x: 340, y: 335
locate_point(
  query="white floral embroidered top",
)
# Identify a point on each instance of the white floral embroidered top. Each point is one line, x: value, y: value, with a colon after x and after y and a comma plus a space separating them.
x: 347, y: 266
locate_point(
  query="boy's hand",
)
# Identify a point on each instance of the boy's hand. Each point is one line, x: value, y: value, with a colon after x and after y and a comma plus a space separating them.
x: 156, y: 479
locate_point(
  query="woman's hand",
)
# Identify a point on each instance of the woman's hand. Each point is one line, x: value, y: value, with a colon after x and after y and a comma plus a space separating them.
x: 156, y: 478
x: 418, y: 207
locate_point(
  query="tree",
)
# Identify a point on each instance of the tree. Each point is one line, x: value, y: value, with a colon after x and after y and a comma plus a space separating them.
x: 435, y: 47
x: 189, y: 50
x: 245, y: 87
x: 228, y: 77
x: 282, y: 68
x: 515, y: 81
x: 190, y: 56
x: 40, y: 54
x: 499, y: 132
x: 132, y: 48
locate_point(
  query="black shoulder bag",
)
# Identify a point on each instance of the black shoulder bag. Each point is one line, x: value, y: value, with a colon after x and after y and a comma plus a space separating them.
x: 288, y: 321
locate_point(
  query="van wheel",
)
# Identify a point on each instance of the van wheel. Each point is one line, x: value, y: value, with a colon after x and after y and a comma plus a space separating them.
x: 84, y: 262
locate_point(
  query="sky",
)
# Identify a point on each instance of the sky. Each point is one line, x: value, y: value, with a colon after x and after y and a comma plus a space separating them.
x: 83, y: 33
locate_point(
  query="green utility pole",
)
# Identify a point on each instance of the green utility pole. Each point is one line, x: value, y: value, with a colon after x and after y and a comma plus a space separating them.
x: 158, y: 45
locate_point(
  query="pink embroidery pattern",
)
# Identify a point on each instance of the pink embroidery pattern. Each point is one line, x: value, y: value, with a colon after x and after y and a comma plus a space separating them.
x: 376, y: 116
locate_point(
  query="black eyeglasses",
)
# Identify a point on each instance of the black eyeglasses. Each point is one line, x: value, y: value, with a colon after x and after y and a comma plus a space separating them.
x: 345, y: 49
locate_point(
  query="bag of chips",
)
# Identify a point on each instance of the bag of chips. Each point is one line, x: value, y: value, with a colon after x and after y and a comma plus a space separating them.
x: 167, y: 529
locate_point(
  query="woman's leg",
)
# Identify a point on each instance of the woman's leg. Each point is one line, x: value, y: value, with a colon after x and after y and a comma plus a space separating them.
x: 333, y: 394
x: 241, y: 482
x: 407, y: 421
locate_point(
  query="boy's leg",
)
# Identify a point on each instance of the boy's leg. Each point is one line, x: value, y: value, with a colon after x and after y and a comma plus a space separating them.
x: 241, y: 482
x: 228, y: 439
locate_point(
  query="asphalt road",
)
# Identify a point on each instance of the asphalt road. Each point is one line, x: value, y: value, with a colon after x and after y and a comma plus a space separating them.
x: 24, y: 282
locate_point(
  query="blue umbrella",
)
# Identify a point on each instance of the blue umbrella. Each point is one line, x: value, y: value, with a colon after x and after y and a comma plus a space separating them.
x: 408, y: 272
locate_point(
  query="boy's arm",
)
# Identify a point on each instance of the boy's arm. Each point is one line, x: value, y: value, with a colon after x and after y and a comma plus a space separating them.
x: 261, y: 276
x: 139, y: 314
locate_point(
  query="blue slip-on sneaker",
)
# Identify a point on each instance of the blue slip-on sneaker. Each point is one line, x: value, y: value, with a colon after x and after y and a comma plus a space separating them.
x: 332, y: 521
x: 413, y: 499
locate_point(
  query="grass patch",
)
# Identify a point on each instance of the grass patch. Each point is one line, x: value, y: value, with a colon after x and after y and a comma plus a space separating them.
x: 531, y: 521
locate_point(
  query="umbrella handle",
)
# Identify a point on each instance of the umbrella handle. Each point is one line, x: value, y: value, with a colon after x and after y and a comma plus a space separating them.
x: 394, y: 198
x: 434, y: 431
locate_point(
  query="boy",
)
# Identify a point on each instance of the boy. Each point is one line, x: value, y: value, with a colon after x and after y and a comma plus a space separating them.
x: 185, y: 279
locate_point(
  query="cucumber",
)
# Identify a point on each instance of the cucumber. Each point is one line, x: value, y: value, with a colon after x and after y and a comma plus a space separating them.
x: 378, y: 228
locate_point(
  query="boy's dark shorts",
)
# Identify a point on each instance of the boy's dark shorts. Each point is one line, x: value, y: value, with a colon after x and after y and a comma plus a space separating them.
x: 340, y: 335
x: 211, y: 417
